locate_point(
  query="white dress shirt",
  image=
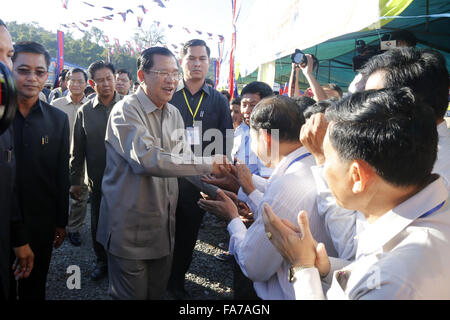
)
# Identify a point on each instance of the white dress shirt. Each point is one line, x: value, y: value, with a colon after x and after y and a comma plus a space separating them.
x: 67, y: 105
x: 243, y: 151
x: 442, y: 164
x: 289, y: 190
x: 345, y: 235
x: 403, y: 255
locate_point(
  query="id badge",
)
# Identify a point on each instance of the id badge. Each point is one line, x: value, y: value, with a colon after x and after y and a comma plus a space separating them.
x: 193, y: 135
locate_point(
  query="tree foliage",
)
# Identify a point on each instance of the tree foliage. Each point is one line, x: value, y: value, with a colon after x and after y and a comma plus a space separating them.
x: 90, y: 48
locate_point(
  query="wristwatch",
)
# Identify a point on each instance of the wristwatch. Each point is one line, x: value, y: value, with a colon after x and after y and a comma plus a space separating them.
x: 293, y: 270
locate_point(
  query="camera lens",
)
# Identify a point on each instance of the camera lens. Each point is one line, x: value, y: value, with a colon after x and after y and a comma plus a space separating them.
x: 8, y: 98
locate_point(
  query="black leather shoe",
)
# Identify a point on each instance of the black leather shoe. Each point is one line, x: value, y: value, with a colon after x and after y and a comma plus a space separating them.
x: 75, y: 239
x: 99, y: 272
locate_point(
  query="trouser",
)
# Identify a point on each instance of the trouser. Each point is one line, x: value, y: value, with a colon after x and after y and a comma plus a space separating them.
x: 138, y: 279
x: 33, y: 287
x: 78, y: 210
x: 188, y: 220
x: 96, y: 197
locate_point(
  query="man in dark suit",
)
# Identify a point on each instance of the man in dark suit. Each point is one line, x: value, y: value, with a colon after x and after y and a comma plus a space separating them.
x: 206, y: 115
x: 41, y: 140
x: 9, y: 209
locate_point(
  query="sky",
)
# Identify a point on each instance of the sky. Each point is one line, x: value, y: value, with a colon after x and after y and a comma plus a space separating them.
x: 206, y: 16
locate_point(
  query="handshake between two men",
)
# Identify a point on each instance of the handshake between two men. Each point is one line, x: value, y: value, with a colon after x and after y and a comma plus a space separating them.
x: 229, y: 178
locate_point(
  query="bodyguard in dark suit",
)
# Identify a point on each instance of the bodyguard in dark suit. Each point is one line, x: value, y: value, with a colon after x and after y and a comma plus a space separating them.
x: 205, y: 112
x: 10, y: 216
x: 41, y: 139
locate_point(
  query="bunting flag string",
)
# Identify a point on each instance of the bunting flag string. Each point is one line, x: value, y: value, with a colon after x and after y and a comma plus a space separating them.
x: 123, y: 14
x: 117, y: 48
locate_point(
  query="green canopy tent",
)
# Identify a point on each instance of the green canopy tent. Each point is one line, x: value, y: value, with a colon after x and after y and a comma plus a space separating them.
x: 428, y: 20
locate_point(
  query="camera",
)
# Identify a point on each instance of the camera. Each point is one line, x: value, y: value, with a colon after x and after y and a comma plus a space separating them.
x: 8, y: 97
x: 365, y: 53
x: 298, y: 57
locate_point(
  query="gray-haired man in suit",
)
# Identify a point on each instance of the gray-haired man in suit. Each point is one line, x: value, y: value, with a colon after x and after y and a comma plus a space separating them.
x: 146, y: 149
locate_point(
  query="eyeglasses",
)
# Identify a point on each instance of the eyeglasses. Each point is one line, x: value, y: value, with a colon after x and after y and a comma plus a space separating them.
x: 28, y: 72
x: 164, y: 74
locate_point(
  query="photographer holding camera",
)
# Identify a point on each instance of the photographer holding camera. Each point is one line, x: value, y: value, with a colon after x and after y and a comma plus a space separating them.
x: 307, y: 63
x: 9, y: 204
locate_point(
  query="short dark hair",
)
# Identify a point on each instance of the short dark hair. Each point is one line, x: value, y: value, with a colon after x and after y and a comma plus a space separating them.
x: 236, y: 101
x: 128, y: 73
x: 319, y: 107
x: 423, y: 70
x: 303, y: 102
x: 226, y: 94
x: 194, y: 43
x: 145, y: 61
x: 388, y: 130
x: 88, y: 90
x: 97, y: 65
x: 278, y: 112
x: 76, y: 70
x: 31, y: 47
x: 258, y: 87
x: 335, y: 87
x: 406, y: 36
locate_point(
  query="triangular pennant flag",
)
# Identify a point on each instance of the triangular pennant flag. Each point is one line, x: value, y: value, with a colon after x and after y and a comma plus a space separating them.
x: 159, y: 2
x: 143, y: 8
x: 130, y: 11
x: 91, y: 5
x: 209, y: 34
x: 90, y: 21
x: 199, y: 32
x: 174, y: 46
x: 129, y: 44
x: 105, y: 37
x: 187, y: 30
x: 107, y: 17
x: 124, y: 15
x: 64, y: 3
x: 99, y: 19
x: 139, y: 19
x: 220, y: 37
x: 108, y: 8
x: 157, y: 23
x: 84, y: 24
x: 170, y: 26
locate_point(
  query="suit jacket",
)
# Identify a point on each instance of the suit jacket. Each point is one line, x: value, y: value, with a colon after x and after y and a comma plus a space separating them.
x: 144, y: 155
x: 9, y: 210
x: 42, y: 152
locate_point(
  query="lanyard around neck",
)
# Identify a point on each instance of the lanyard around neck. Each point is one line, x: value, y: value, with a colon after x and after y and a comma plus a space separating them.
x: 189, y: 106
x: 298, y: 159
x: 432, y: 210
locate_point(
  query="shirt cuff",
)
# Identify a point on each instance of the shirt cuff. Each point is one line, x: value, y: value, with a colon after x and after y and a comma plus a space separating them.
x: 308, y: 285
x: 254, y: 199
x: 242, y: 196
x: 237, y: 230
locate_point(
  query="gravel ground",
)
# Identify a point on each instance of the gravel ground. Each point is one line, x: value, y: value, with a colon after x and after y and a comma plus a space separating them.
x: 207, y: 278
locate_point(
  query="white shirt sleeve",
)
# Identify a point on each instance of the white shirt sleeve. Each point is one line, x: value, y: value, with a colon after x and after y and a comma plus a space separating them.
x: 340, y: 222
x: 254, y: 200
x: 307, y: 285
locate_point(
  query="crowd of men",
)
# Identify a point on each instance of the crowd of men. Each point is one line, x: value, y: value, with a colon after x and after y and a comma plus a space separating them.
x: 325, y: 195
